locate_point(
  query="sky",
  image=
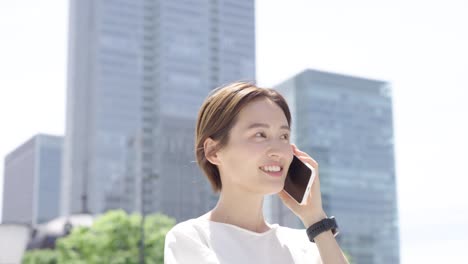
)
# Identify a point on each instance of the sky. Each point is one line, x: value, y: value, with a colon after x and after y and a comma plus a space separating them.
x: 417, y: 46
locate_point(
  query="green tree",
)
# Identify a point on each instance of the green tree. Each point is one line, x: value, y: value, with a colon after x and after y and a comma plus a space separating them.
x: 44, y: 256
x: 114, y: 238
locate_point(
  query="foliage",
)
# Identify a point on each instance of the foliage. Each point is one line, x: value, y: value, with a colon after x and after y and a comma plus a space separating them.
x: 45, y: 256
x: 114, y: 238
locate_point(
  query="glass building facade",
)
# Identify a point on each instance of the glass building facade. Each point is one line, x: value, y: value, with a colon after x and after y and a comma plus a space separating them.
x: 138, y: 72
x: 346, y: 124
x: 32, y: 181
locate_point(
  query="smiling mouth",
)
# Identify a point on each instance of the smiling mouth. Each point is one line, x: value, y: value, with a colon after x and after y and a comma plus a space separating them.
x: 281, y: 169
x: 271, y: 168
x: 273, y: 173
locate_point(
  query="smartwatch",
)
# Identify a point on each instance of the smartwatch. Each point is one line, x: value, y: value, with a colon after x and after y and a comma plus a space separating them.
x: 321, y: 226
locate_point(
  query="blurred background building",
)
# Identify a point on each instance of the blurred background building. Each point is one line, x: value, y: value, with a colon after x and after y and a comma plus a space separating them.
x: 137, y: 73
x: 32, y: 181
x: 346, y: 124
x: 13, y: 241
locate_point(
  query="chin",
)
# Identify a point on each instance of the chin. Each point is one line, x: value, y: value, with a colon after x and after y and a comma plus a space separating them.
x: 273, y: 189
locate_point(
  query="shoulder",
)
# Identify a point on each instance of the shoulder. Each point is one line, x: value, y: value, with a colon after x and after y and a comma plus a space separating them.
x: 186, y: 228
x: 185, y: 243
x: 190, y: 229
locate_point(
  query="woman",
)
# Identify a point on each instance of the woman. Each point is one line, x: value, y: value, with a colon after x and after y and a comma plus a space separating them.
x: 242, y: 135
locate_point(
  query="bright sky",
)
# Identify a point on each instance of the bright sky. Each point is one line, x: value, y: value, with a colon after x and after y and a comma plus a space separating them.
x: 418, y: 46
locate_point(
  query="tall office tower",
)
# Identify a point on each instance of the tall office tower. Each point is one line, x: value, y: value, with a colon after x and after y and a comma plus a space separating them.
x: 138, y: 72
x: 346, y: 124
x: 32, y: 181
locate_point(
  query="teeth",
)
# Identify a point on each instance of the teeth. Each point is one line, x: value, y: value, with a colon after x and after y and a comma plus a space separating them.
x: 271, y: 168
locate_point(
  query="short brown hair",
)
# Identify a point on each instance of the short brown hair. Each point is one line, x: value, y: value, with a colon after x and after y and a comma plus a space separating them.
x: 218, y: 114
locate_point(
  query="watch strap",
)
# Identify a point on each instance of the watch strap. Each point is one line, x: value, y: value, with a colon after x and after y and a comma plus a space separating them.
x: 321, y: 226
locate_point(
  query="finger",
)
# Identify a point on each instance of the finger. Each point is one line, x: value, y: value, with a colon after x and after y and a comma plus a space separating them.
x: 299, y: 152
x: 296, y: 148
x: 302, y: 155
x: 307, y: 159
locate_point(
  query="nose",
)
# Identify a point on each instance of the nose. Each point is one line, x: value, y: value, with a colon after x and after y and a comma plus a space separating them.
x: 279, y: 150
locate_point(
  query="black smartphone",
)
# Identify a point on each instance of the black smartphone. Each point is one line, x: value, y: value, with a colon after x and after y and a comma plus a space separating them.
x: 299, y: 180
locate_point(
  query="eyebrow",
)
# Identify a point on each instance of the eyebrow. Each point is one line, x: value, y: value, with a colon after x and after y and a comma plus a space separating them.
x: 256, y: 125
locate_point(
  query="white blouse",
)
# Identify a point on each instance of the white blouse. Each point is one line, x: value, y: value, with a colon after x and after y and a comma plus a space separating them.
x: 201, y: 240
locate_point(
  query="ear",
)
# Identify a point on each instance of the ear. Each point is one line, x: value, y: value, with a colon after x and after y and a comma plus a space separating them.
x: 211, y: 155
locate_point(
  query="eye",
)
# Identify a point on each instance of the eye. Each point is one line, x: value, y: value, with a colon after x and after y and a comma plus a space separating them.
x: 285, y: 136
x: 260, y: 134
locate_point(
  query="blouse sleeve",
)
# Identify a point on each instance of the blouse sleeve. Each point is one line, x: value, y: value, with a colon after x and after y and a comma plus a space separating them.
x: 309, y: 250
x: 180, y: 248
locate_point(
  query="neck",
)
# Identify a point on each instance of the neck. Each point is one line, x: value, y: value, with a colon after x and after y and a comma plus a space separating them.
x: 243, y: 210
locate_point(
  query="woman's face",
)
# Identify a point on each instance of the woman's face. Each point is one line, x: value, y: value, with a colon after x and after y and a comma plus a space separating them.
x: 259, y: 138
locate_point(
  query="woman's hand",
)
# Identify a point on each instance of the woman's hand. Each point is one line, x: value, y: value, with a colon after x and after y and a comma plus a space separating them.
x: 312, y: 211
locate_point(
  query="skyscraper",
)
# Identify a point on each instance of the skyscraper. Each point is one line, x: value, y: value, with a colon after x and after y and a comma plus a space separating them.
x: 32, y: 181
x: 138, y: 72
x: 346, y: 124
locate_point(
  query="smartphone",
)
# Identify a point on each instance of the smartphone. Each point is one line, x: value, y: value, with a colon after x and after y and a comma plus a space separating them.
x: 299, y: 180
